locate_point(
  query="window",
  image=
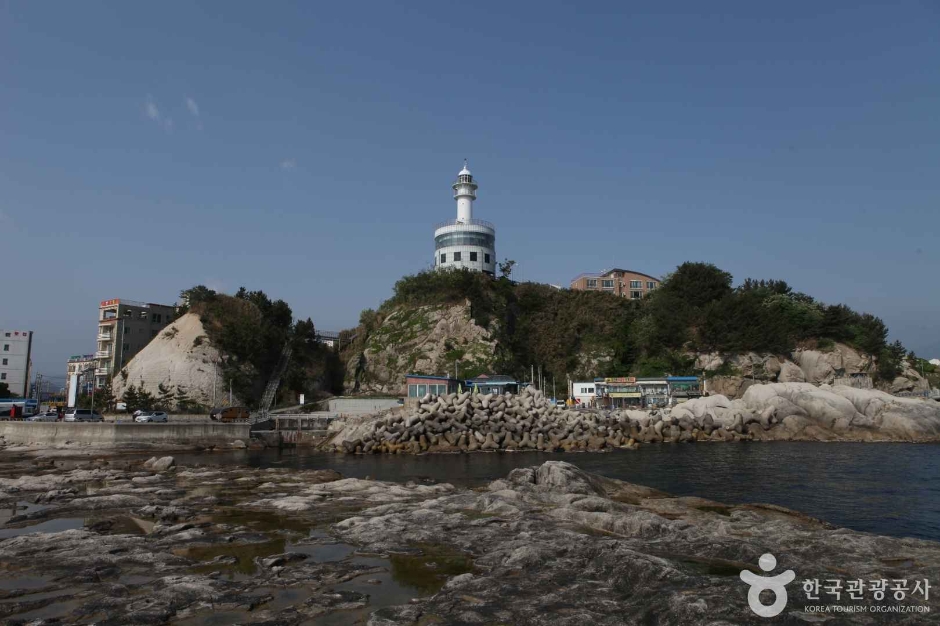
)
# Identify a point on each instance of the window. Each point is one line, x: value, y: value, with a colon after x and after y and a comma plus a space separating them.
x: 650, y: 285
x: 143, y: 315
x: 443, y: 259
x: 3, y: 376
x: 456, y: 256
x: 6, y: 347
x: 636, y: 295
x: 412, y: 391
x: 607, y: 284
x: 486, y: 258
x: 636, y: 284
x: 473, y: 256
x: 156, y: 318
x: 128, y: 312
x: 592, y: 283
x: 6, y: 361
x: 6, y: 334
x: 422, y: 390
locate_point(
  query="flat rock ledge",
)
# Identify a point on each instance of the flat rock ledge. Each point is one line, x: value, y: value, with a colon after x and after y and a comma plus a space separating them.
x: 550, y: 544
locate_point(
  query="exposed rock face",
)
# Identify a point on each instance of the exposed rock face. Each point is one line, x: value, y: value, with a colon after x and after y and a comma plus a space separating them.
x: 181, y: 356
x: 809, y: 412
x: 423, y: 339
x: 817, y: 366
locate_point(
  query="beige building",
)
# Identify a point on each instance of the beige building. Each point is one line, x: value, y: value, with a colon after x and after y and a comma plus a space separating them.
x: 620, y: 282
x: 124, y: 328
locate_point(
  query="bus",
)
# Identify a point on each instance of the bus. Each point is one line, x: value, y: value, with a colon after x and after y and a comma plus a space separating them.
x: 25, y: 407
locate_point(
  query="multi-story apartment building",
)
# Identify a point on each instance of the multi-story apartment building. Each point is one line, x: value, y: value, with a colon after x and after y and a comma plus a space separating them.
x: 16, y: 348
x: 624, y: 283
x: 78, y: 364
x: 124, y: 328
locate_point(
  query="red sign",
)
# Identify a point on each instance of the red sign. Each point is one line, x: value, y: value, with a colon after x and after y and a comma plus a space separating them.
x: 105, y: 303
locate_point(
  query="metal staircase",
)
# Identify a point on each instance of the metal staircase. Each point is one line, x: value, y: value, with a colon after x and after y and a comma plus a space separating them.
x: 271, y: 390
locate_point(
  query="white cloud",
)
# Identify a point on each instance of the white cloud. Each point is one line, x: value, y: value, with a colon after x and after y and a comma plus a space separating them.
x: 192, y: 106
x: 151, y: 110
x: 168, y: 124
x: 288, y: 164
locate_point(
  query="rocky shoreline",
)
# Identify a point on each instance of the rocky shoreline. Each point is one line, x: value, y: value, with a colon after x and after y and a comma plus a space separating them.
x: 470, y: 422
x: 153, y: 543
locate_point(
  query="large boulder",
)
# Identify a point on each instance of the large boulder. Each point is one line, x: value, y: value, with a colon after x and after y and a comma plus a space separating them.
x: 790, y: 372
x: 823, y: 366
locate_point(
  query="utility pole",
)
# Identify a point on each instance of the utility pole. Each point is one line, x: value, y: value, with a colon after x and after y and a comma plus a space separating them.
x: 532, y: 375
x: 554, y: 397
x: 215, y: 380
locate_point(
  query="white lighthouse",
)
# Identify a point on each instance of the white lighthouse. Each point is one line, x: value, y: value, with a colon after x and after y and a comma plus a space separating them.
x: 465, y: 242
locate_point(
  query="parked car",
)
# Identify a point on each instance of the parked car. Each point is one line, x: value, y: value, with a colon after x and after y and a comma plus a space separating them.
x: 48, y: 416
x: 230, y: 414
x: 152, y: 416
x: 82, y: 415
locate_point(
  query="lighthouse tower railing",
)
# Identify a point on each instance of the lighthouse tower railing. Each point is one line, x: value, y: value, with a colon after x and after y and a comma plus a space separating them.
x: 469, y: 222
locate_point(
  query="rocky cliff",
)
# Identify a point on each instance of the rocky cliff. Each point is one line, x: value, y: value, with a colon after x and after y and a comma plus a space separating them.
x: 181, y: 358
x: 732, y: 375
x: 425, y: 339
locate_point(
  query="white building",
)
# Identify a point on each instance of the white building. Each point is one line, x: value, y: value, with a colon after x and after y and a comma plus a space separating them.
x: 465, y: 242
x: 584, y: 393
x: 78, y: 365
x: 15, y: 363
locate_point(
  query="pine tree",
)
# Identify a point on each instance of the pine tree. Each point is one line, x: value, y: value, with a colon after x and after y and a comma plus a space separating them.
x: 131, y: 399
x: 164, y: 397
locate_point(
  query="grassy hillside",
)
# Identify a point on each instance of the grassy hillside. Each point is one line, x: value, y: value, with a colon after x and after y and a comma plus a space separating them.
x: 696, y: 309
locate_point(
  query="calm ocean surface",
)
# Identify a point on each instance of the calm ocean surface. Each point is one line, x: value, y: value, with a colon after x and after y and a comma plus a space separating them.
x: 884, y: 488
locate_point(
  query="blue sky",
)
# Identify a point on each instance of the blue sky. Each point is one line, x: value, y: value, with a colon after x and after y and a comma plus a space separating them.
x: 307, y: 149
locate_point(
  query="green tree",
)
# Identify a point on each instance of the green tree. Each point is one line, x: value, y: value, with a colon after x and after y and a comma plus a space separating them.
x: 185, y: 404
x: 891, y: 361
x: 5, y: 391
x: 505, y: 268
x: 131, y: 399
x: 104, y: 397
x: 164, y: 397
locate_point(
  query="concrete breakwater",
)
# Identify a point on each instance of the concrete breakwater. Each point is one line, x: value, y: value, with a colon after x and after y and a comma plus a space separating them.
x: 470, y: 422
x: 782, y: 411
x: 125, y: 435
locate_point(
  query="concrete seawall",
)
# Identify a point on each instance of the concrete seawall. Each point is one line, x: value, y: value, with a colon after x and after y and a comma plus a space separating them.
x: 111, y: 435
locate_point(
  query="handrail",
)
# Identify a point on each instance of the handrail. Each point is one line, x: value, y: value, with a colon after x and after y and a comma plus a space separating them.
x: 470, y: 222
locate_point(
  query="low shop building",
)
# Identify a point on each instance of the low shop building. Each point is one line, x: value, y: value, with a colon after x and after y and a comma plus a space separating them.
x: 495, y: 383
x: 683, y: 388
x: 420, y: 385
x: 619, y: 393
x: 655, y: 392
x: 584, y: 394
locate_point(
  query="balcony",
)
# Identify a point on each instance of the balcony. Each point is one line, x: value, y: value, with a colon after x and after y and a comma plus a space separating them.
x: 103, y: 354
x: 105, y: 336
x: 102, y: 371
